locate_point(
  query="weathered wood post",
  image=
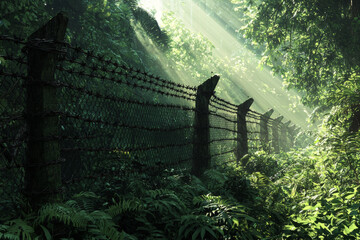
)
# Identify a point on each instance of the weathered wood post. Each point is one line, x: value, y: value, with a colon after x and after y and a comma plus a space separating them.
x: 296, y: 133
x: 291, y: 133
x: 242, y: 135
x: 264, y: 130
x: 42, y: 170
x: 275, y: 134
x: 284, y: 136
x: 201, y: 151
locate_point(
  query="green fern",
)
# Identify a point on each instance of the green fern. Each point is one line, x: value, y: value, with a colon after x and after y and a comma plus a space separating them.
x: 16, y: 229
x: 164, y: 202
x: 198, y: 227
x: 124, y: 206
x: 86, y: 200
x: 230, y: 216
x: 149, y: 229
x: 215, y: 179
x: 98, y: 224
x: 65, y: 214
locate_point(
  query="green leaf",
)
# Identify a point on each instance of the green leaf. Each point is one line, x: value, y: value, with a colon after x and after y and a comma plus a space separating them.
x: 202, y: 233
x: 348, y: 230
x: 210, y: 231
x: 46, y: 232
x: 196, y: 233
x: 293, y: 191
x: 290, y: 227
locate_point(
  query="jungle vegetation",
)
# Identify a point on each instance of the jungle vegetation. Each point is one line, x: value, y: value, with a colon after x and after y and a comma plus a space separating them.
x: 307, y: 193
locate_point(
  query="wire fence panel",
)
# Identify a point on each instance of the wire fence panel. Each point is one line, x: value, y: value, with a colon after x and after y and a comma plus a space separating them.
x: 113, y: 112
x: 12, y: 123
x: 115, y: 121
x: 223, y: 131
x: 253, y: 130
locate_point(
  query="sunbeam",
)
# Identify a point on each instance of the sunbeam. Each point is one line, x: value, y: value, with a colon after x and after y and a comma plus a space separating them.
x: 258, y: 83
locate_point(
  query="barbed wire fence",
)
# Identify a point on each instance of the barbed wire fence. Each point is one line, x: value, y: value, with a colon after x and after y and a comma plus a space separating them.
x: 70, y: 117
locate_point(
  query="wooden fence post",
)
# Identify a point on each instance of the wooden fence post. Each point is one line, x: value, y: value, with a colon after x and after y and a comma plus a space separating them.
x: 275, y: 134
x: 42, y: 170
x: 284, y: 136
x: 264, y: 130
x: 242, y: 137
x: 201, y: 151
x: 291, y: 132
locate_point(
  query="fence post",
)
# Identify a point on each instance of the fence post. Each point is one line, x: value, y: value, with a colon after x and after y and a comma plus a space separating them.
x: 242, y: 137
x: 275, y: 134
x: 291, y: 132
x: 284, y: 136
x: 42, y: 170
x: 264, y: 130
x: 201, y: 151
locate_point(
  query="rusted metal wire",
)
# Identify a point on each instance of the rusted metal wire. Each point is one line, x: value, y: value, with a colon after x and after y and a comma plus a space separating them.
x: 103, y: 59
x: 12, y: 75
x: 126, y: 149
x: 105, y: 69
x: 225, y: 106
x: 15, y: 117
x: 122, y: 100
x: 212, y: 113
x: 121, y: 124
x: 222, y: 109
x: 253, y: 122
x: 223, y: 128
x: 226, y: 102
x: 223, y: 153
x: 40, y: 165
x: 124, y: 82
x: 133, y: 74
x: 19, y: 59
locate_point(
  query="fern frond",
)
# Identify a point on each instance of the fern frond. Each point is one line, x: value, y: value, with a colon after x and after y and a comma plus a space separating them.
x: 65, y: 214
x: 124, y: 206
x: 165, y: 202
x: 198, y: 227
x: 86, y: 200
x: 105, y: 224
x: 215, y: 177
x: 16, y: 229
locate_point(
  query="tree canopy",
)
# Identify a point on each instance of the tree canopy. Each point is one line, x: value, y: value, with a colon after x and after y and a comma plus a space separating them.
x: 313, y: 45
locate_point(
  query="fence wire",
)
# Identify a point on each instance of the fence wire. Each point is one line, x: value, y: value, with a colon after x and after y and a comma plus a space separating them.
x: 115, y: 121
x: 13, y: 130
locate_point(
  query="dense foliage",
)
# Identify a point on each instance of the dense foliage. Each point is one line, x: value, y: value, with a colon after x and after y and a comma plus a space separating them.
x: 305, y: 194
x: 314, y: 46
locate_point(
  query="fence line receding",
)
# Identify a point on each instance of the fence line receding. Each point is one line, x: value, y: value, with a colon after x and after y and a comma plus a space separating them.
x: 72, y: 116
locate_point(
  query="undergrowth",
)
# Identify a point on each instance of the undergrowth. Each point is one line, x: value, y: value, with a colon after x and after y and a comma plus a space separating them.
x: 303, y: 194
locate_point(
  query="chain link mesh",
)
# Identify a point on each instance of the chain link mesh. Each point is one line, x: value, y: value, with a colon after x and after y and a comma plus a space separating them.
x: 115, y: 121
